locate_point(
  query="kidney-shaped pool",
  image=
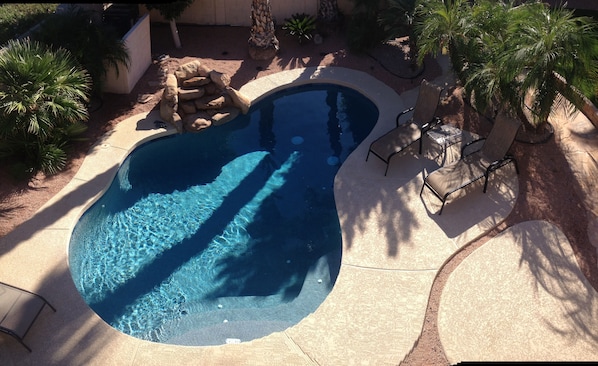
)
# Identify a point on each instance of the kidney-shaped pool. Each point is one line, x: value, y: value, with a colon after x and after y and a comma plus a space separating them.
x: 226, y: 235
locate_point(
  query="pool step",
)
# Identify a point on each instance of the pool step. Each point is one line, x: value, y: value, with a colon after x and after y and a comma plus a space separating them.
x: 230, y: 322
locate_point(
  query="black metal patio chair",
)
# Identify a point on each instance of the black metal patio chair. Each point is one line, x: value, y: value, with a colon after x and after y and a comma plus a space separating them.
x: 477, y: 163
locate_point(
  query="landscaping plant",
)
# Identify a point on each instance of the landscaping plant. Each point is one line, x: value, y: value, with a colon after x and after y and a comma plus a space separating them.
x: 95, y: 46
x: 301, y: 26
x: 365, y: 30
x: 17, y: 18
x: 171, y: 11
x: 43, y: 95
x: 510, y: 55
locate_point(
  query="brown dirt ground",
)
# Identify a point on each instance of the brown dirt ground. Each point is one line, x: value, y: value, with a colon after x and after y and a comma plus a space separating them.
x: 545, y: 180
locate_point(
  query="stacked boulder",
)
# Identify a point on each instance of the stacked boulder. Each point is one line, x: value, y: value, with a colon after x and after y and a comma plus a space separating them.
x: 196, y: 97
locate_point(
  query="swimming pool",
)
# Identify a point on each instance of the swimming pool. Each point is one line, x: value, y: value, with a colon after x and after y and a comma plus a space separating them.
x: 226, y: 235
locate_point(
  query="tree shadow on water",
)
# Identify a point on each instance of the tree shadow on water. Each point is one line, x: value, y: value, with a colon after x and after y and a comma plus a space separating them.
x: 282, y: 250
x: 163, y: 266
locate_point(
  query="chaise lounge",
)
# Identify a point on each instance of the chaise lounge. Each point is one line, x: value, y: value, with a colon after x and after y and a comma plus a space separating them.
x: 403, y: 135
x: 18, y: 311
x: 478, y: 163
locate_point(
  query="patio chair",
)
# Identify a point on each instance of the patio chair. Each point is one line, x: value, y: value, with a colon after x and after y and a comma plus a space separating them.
x: 403, y: 135
x: 18, y: 310
x: 478, y: 163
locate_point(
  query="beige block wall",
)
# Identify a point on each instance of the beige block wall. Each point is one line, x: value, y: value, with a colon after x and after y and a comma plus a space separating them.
x: 139, y: 47
x: 238, y: 12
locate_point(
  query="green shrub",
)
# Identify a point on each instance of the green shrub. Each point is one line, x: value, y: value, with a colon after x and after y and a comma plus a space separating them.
x: 364, y: 32
x: 16, y: 19
x: 95, y: 46
x: 42, y: 105
x: 301, y: 26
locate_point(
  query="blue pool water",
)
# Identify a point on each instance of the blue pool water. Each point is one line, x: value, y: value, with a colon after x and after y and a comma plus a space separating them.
x: 226, y: 235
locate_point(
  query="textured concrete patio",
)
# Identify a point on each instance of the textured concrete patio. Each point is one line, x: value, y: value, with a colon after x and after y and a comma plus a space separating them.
x: 520, y: 297
x: 393, y: 246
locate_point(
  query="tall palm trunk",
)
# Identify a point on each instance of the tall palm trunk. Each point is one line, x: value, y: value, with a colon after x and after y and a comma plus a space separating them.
x: 263, y: 43
x: 328, y: 10
x: 175, y: 33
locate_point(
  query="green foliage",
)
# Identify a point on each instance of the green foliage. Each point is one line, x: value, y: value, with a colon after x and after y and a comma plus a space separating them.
x: 510, y: 54
x: 95, y: 46
x: 398, y: 18
x: 18, y: 18
x: 171, y: 10
x: 301, y: 26
x: 43, y: 95
x: 365, y: 30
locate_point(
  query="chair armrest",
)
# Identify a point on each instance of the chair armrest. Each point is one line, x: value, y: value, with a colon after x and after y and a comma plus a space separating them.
x: 475, y: 148
x: 430, y: 125
x: 499, y: 163
x: 403, y: 113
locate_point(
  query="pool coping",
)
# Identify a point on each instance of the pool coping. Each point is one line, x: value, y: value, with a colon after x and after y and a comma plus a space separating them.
x: 349, y: 327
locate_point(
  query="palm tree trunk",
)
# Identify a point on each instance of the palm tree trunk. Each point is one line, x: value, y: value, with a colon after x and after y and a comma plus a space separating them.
x: 577, y: 99
x: 328, y: 10
x: 263, y: 43
x: 175, y: 34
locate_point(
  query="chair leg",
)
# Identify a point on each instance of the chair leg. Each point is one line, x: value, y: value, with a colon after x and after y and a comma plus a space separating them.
x: 441, y: 208
x: 24, y: 345
x: 486, y: 182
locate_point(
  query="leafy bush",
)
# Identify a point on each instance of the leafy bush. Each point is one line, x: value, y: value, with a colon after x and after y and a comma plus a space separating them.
x: 16, y: 19
x: 365, y: 31
x: 301, y: 26
x: 43, y: 97
x: 96, y: 47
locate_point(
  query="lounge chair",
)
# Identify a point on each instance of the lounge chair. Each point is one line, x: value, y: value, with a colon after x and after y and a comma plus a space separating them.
x: 403, y: 135
x: 18, y: 310
x: 476, y: 161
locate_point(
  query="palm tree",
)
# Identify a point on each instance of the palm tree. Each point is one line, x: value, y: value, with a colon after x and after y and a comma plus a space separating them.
x: 513, y: 55
x: 171, y: 11
x: 263, y: 43
x: 546, y: 43
x: 42, y: 104
x: 441, y: 27
x: 486, y: 80
x: 328, y: 11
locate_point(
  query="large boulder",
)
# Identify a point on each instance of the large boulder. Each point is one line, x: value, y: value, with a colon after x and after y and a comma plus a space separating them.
x: 204, y: 71
x: 169, y: 100
x: 177, y: 121
x: 188, y: 70
x: 188, y: 107
x: 212, y: 102
x: 239, y: 100
x: 224, y: 115
x: 197, y: 121
x: 212, y: 89
x: 171, y: 90
x: 196, y: 81
x: 191, y: 94
x: 221, y: 80
x: 167, y: 109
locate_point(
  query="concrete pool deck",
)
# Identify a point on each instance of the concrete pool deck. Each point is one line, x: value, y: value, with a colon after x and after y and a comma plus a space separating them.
x: 393, y: 247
